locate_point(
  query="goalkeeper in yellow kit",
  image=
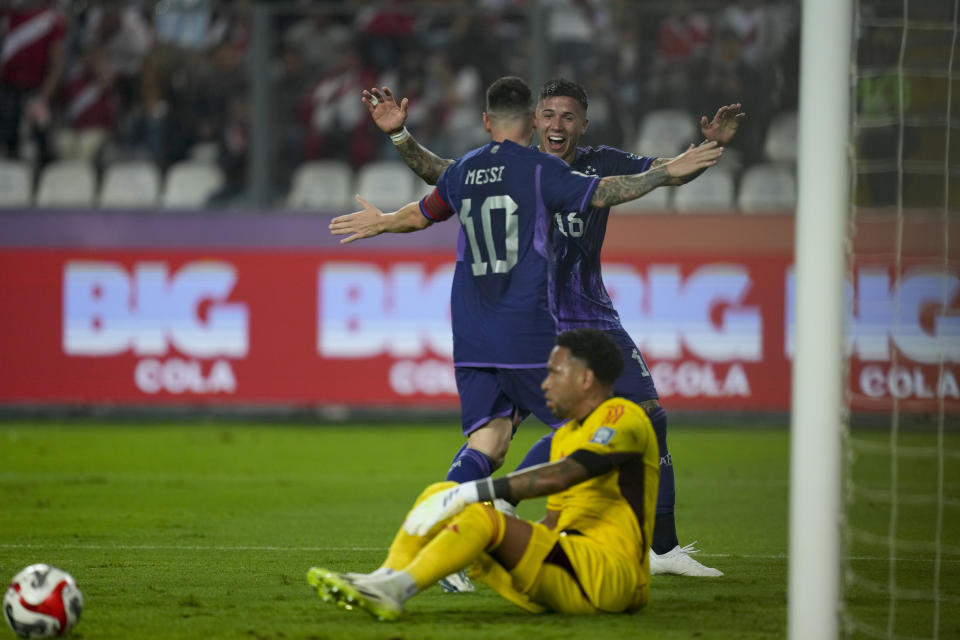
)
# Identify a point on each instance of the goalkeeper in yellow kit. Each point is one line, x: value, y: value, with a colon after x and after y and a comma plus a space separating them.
x: 591, y: 551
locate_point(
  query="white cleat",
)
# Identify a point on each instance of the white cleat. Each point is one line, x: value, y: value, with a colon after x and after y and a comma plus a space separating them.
x: 347, y: 594
x: 678, y: 561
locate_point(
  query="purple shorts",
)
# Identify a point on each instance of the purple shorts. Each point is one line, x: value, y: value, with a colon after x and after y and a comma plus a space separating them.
x: 490, y: 392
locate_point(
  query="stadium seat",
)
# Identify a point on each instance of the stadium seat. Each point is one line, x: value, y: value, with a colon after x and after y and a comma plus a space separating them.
x: 780, y: 144
x: 386, y: 184
x: 665, y: 133
x: 67, y: 183
x: 190, y: 184
x: 208, y: 152
x: 323, y: 185
x: 768, y: 188
x: 133, y: 184
x: 78, y: 144
x: 712, y: 191
x: 657, y: 201
x: 16, y: 180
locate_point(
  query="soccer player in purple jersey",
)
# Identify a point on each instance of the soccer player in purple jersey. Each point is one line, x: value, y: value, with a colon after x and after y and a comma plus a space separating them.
x: 504, y: 194
x: 577, y: 296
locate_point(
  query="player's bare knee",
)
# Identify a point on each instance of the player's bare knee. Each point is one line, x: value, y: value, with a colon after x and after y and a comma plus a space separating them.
x: 493, y: 440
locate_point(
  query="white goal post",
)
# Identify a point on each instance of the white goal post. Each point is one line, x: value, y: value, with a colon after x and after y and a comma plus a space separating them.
x: 817, y: 405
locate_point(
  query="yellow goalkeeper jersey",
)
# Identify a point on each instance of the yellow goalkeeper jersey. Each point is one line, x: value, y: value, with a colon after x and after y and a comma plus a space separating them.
x: 615, y: 508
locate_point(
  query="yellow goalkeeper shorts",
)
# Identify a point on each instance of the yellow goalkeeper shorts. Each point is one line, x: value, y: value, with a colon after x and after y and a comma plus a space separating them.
x: 566, y: 573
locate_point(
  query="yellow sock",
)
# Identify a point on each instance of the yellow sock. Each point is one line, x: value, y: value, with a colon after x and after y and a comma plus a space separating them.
x: 405, y: 547
x: 461, y: 540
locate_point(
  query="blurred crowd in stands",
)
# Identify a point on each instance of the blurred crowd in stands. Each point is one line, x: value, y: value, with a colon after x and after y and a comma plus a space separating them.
x: 166, y: 80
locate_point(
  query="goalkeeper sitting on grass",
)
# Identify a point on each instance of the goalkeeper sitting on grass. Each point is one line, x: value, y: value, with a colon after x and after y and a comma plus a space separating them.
x: 591, y: 551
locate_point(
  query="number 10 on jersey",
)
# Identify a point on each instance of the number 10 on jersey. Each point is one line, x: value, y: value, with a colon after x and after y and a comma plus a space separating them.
x: 491, y: 204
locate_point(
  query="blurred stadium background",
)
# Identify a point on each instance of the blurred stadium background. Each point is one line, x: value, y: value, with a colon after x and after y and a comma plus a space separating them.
x: 165, y: 207
x: 173, y: 204
x: 164, y: 210
x: 228, y: 104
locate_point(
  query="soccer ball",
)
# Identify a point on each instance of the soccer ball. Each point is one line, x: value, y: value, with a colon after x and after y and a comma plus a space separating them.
x: 42, y: 602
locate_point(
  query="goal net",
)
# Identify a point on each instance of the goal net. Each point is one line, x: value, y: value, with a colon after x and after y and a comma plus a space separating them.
x: 900, y: 573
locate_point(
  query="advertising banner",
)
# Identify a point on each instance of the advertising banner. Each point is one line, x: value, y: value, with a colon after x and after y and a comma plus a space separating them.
x: 281, y: 327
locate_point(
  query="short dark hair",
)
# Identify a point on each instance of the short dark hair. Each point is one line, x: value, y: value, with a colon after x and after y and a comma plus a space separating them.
x: 509, y: 96
x: 597, y: 349
x: 563, y: 87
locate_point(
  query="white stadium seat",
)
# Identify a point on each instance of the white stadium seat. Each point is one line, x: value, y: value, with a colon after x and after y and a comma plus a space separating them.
x: 768, y: 188
x: 208, y: 152
x: 16, y: 180
x: 666, y: 132
x: 190, y: 184
x: 711, y: 191
x: 133, y: 184
x: 386, y: 184
x: 82, y: 144
x: 780, y: 144
x: 657, y: 201
x: 67, y: 183
x: 324, y: 185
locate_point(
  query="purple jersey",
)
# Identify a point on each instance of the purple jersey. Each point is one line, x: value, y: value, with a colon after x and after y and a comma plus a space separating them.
x: 577, y: 295
x: 503, y: 194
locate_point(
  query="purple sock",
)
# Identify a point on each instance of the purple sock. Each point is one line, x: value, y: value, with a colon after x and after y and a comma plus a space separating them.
x: 664, y: 527
x: 469, y: 464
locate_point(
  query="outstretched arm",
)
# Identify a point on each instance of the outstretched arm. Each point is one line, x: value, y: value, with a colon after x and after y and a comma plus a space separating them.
x: 370, y: 222
x: 390, y: 117
x: 721, y: 130
x: 546, y: 479
x: 619, y: 189
x: 534, y: 482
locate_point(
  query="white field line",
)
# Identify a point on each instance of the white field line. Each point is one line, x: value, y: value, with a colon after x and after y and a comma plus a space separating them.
x: 282, y: 549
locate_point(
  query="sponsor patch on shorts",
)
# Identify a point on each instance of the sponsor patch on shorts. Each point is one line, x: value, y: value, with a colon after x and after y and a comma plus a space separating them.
x: 603, y: 435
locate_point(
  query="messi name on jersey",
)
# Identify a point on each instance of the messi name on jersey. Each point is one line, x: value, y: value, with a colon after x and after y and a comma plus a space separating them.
x: 484, y: 176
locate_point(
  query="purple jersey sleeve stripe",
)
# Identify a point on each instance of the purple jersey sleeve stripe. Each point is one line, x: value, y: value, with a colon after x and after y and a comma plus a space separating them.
x: 588, y: 196
x: 433, y: 207
x: 542, y: 216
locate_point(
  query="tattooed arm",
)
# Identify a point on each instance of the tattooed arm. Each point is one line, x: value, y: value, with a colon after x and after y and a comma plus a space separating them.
x: 390, y: 117
x: 674, y: 182
x: 619, y: 189
x: 677, y: 181
x: 422, y: 161
x: 546, y: 479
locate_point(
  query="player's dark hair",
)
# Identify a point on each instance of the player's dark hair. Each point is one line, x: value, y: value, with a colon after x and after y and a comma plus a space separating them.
x: 563, y: 87
x: 509, y: 96
x: 595, y: 348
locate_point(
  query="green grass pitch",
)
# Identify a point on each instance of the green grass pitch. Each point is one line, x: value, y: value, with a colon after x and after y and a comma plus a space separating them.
x: 206, y: 530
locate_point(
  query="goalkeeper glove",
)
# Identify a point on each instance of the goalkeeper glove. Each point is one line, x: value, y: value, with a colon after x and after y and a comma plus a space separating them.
x: 449, y: 502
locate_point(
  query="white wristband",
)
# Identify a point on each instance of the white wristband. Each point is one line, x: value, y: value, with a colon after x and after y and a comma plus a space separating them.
x: 399, y: 136
x: 469, y: 491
